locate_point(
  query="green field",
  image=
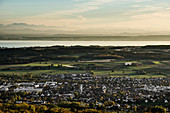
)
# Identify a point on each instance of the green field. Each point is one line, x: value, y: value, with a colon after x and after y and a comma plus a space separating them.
x: 87, y: 67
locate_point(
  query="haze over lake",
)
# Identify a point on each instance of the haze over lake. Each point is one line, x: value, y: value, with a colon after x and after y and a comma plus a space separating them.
x: 16, y: 44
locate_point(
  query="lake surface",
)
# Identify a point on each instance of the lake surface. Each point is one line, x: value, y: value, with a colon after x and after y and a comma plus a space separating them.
x: 16, y: 44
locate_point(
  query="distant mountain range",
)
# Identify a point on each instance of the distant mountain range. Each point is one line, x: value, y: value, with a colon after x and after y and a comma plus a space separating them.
x: 25, y: 31
x: 23, y: 28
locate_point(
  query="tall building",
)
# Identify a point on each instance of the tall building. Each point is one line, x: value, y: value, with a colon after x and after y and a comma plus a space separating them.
x: 104, y: 89
x: 81, y: 88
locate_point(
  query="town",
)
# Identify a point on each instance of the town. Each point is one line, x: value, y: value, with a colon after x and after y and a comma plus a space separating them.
x: 109, y: 93
x: 85, y: 79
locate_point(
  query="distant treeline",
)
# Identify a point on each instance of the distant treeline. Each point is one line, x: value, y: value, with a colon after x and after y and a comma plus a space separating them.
x: 87, y: 38
x: 76, y: 53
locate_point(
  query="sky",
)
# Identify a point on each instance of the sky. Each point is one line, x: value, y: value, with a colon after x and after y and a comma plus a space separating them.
x: 88, y: 14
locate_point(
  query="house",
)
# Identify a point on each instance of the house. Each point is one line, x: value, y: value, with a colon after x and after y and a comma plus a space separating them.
x: 4, y: 89
x: 51, y: 83
x: 28, y: 89
x: 25, y: 84
x: 128, y: 63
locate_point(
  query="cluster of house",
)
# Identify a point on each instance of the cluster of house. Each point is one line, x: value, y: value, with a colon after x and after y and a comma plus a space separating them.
x: 156, y: 88
x: 88, y: 89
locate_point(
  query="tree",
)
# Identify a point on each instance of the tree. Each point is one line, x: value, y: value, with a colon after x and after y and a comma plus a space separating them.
x: 92, y: 105
x: 43, y: 108
x: 90, y: 111
x: 32, y: 108
x: 1, y: 105
x: 109, y: 103
x: 158, y: 109
x: 76, y: 94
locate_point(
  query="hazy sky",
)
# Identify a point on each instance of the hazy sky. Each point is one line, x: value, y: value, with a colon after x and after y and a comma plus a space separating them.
x: 143, y: 14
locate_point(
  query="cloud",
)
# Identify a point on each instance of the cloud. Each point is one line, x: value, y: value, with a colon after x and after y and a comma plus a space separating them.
x: 65, y: 17
x: 87, y: 6
x: 134, y: 15
x: 152, y: 21
x: 144, y: 9
x: 142, y: 0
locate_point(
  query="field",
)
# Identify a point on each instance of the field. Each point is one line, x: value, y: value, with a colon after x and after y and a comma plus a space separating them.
x: 106, y: 61
x: 99, y: 69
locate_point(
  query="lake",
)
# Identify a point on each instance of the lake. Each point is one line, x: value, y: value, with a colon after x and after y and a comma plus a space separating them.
x: 16, y: 44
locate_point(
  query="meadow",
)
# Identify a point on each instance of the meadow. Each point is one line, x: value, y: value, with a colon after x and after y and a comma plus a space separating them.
x: 97, y: 68
x: 100, y: 61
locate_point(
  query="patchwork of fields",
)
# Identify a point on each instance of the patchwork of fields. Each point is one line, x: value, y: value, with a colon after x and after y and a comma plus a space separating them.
x: 99, y: 68
x: 100, y: 61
